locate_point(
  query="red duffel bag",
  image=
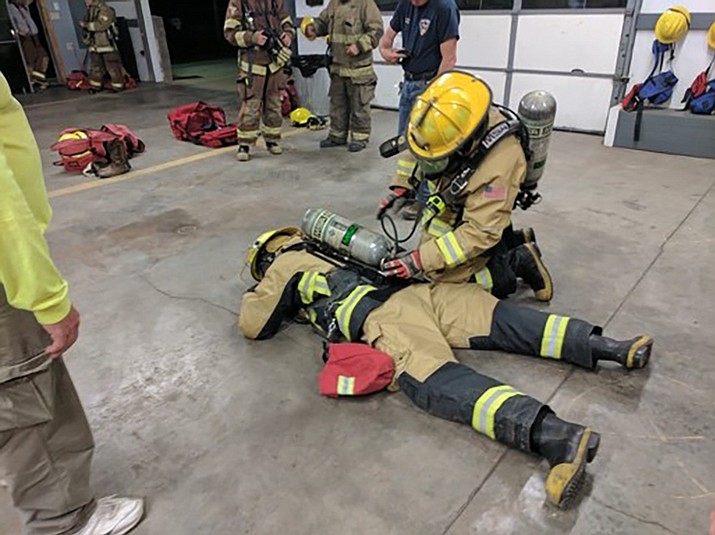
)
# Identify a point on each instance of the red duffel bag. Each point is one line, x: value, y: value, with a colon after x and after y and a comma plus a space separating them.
x: 355, y: 370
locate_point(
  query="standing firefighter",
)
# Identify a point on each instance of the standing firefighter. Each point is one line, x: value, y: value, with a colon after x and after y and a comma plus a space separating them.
x: 470, y: 168
x: 263, y: 32
x: 101, y: 36
x: 354, y: 28
x: 36, y: 58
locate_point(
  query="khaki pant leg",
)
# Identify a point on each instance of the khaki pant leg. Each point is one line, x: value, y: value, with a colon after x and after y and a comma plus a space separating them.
x: 113, y: 64
x: 28, y: 52
x: 406, y: 328
x: 272, y: 112
x: 361, y: 94
x: 249, y: 112
x: 339, y: 108
x: 96, y: 70
x: 46, y: 450
x: 464, y: 311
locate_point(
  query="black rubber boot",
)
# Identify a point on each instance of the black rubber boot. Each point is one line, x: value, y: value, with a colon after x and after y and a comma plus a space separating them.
x: 330, y: 142
x: 567, y: 447
x: 525, y: 235
x: 632, y: 354
x: 357, y: 146
x: 526, y: 263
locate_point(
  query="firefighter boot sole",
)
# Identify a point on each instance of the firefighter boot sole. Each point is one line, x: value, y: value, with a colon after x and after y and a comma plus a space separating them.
x: 639, y: 353
x: 565, y: 480
x: 243, y: 154
x: 275, y: 149
x: 547, y: 292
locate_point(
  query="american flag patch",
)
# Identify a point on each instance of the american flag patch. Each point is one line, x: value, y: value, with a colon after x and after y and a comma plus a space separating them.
x: 495, y: 192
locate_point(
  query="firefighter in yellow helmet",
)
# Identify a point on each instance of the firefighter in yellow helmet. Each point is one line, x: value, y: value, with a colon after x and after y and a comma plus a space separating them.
x: 354, y: 28
x: 418, y: 325
x: 672, y: 25
x: 101, y: 37
x: 263, y: 32
x: 471, y: 165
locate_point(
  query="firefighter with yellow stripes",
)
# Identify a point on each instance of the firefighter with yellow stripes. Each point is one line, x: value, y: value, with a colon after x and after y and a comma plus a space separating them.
x: 263, y: 32
x: 354, y: 28
x: 471, y: 167
x: 101, y: 38
x: 418, y: 325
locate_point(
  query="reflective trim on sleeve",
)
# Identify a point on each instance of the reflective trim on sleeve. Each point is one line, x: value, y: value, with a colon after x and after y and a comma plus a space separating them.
x: 344, y: 312
x: 312, y: 282
x: 438, y: 228
x: 232, y: 24
x: 288, y: 21
x: 487, y: 405
x: 406, y: 167
x: 346, y: 385
x: 552, y: 341
x: 451, y: 250
x: 365, y: 43
x: 483, y: 278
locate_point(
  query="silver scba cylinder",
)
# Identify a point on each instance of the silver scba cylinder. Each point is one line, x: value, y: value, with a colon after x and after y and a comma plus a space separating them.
x: 537, y: 111
x: 346, y: 237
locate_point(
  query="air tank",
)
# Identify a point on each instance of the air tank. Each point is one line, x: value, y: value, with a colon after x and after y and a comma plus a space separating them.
x: 346, y: 237
x: 537, y: 111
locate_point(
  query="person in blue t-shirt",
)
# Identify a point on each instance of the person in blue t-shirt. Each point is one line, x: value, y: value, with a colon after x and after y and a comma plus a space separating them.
x: 430, y: 30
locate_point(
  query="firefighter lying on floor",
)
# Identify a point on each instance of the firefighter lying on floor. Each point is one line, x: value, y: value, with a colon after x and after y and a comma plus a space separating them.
x: 417, y: 325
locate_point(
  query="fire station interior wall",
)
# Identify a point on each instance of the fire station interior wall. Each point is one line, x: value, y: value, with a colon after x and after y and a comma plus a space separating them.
x: 65, y: 16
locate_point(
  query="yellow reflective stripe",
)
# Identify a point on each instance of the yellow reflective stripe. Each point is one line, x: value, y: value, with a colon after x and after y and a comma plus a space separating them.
x: 102, y: 49
x: 484, y: 278
x: 240, y: 38
x: 346, y: 385
x: 246, y: 135
x: 438, y: 228
x: 94, y: 83
x: 552, y: 341
x: 39, y: 75
x: 365, y: 42
x: 260, y: 70
x: 90, y: 26
x: 117, y: 85
x: 271, y: 130
x: 357, y: 72
x: 345, y: 311
x: 310, y: 283
x: 287, y: 20
x: 321, y: 285
x: 359, y: 136
x: 231, y: 24
x: 406, y: 167
x: 487, y: 405
x: 451, y: 250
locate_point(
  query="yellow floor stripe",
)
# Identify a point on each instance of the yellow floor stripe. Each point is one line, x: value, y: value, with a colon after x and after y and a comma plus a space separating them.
x: 77, y: 188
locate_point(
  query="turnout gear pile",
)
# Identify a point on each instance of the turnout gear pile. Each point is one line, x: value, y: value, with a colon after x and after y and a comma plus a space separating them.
x: 261, y: 67
x: 472, y: 165
x: 101, y: 38
x: 354, y: 29
x: 418, y: 326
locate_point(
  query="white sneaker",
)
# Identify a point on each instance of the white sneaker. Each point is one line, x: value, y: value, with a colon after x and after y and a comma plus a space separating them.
x: 114, y: 516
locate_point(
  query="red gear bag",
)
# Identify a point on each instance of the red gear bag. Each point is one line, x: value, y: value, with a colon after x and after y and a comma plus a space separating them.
x: 191, y: 121
x: 355, y: 370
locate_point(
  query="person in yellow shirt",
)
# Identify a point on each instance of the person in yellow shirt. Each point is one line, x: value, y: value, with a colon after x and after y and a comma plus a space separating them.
x: 46, y: 444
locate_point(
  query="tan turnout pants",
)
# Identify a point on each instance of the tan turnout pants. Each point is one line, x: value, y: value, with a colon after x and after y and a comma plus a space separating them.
x: 260, y: 101
x: 46, y: 445
x: 101, y: 64
x: 350, y: 108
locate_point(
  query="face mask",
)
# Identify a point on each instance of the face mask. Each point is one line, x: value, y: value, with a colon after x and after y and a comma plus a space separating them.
x: 433, y: 167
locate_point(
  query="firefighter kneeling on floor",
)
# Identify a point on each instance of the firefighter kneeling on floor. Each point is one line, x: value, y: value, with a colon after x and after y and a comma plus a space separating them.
x: 471, y: 166
x: 418, y: 325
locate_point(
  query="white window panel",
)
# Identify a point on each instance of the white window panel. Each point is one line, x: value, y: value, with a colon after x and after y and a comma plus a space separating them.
x: 694, y: 6
x: 567, y: 42
x: 582, y: 102
x: 388, y: 81
x: 484, y: 40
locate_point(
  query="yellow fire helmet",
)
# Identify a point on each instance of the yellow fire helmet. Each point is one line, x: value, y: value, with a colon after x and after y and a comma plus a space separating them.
x: 300, y: 116
x: 672, y: 25
x: 77, y: 135
x: 711, y: 35
x: 307, y: 21
x: 264, y: 249
x: 453, y: 109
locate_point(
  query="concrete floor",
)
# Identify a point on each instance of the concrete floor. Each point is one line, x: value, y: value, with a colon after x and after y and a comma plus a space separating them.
x: 226, y: 436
